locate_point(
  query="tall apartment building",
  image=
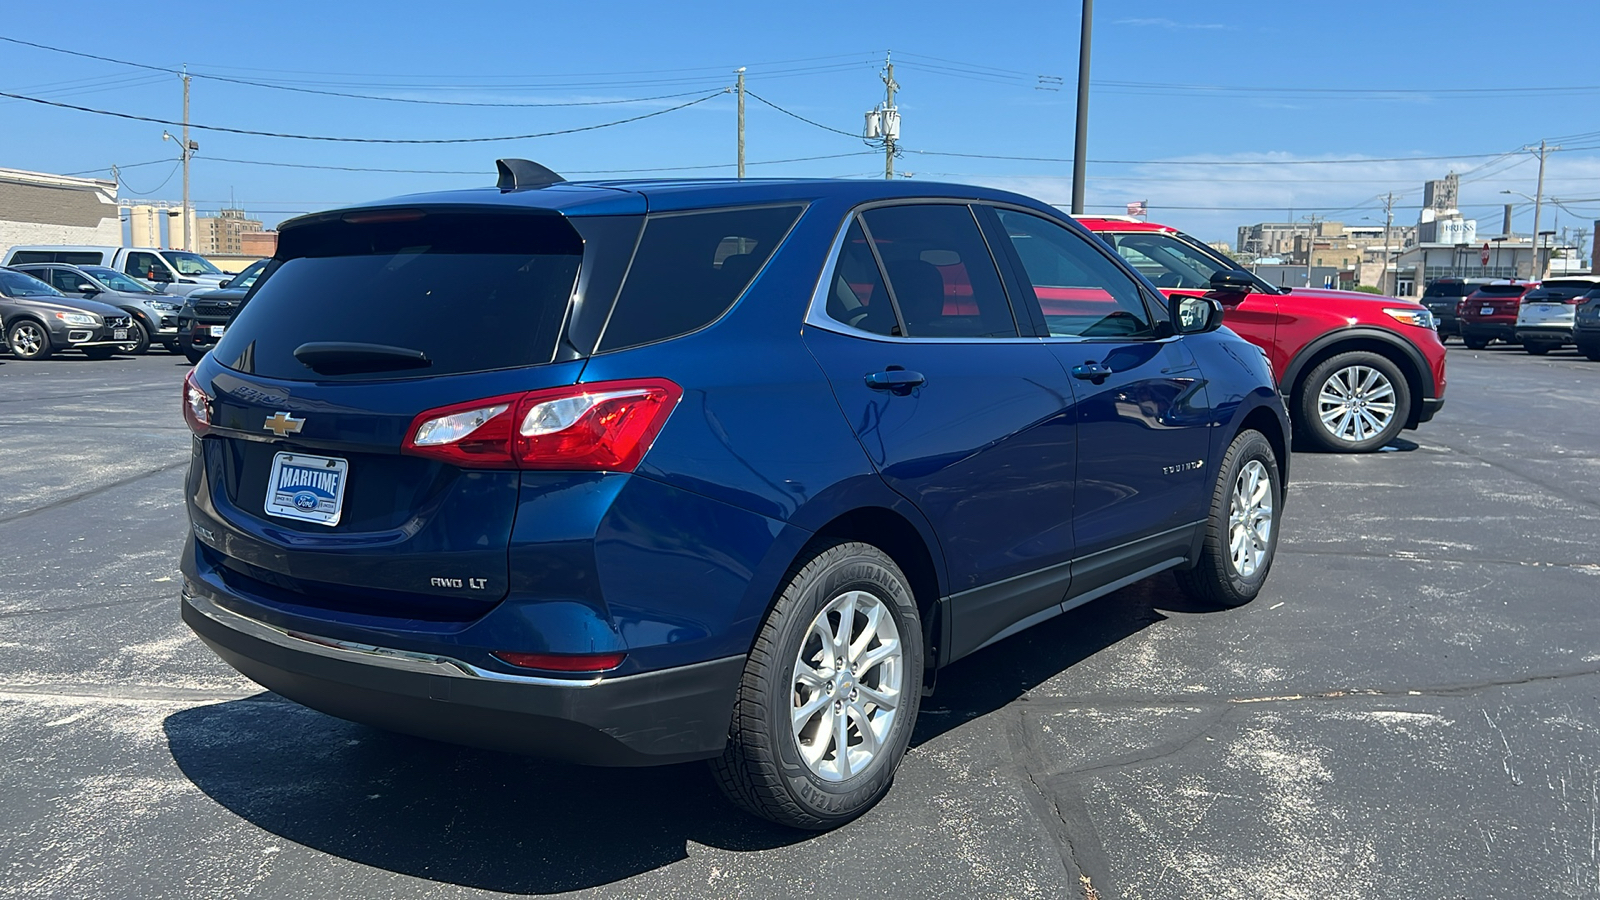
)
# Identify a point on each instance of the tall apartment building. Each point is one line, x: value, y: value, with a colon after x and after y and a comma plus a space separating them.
x: 220, y: 234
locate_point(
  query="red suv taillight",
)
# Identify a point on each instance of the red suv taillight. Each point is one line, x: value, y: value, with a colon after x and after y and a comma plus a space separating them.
x: 196, y: 405
x: 603, y: 426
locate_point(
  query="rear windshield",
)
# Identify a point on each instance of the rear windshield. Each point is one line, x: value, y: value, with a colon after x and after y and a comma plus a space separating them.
x: 471, y: 291
x: 1563, y: 290
x: 1448, y: 289
x: 1503, y: 290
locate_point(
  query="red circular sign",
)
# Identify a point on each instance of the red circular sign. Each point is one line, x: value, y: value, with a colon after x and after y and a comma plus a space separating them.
x: 1483, y: 255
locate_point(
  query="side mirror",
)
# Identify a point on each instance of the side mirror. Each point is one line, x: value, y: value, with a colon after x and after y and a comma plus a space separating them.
x: 1232, y: 282
x: 87, y: 288
x: 225, y: 282
x: 1194, y: 315
x: 161, y: 275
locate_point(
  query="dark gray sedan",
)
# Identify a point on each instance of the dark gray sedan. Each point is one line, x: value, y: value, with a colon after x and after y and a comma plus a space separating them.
x: 155, y: 314
x: 38, y: 320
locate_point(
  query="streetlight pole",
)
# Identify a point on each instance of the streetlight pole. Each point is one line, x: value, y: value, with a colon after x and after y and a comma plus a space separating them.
x: 1080, y: 143
x: 740, y: 89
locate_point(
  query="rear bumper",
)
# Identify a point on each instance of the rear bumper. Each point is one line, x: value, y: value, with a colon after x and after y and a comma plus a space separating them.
x: 1489, y: 330
x: 651, y: 718
x: 1557, y: 334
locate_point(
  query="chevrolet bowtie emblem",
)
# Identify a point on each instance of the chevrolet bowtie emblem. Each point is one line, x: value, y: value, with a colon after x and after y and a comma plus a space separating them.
x: 281, y: 423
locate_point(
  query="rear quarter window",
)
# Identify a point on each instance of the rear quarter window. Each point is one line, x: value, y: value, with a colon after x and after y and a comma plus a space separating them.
x: 689, y: 269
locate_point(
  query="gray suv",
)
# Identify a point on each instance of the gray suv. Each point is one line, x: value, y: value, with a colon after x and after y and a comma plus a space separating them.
x: 155, y: 314
x: 38, y: 320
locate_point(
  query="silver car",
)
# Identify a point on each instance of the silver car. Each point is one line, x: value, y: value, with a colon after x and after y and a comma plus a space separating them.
x: 155, y: 313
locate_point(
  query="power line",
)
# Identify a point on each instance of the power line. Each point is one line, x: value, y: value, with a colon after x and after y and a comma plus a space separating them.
x: 849, y: 134
x: 764, y: 162
x: 1215, y: 162
x: 360, y: 140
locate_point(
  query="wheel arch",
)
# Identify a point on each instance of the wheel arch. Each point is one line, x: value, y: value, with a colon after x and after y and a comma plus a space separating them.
x: 150, y: 327
x: 1407, y: 358
x: 1264, y: 420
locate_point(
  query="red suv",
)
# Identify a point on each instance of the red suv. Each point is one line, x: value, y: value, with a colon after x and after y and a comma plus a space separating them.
x: 1490, y: 312
x: 1354, y: 368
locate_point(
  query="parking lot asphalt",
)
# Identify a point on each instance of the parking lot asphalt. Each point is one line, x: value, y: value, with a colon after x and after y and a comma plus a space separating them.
x: 1407, y: 710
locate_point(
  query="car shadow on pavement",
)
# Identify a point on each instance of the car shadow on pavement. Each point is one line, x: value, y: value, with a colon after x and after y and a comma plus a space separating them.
x: 456, y: 815
x: 996, y: 676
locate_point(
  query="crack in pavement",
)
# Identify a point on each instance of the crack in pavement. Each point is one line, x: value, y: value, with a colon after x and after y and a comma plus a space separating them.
x: 133, y: 694
x: 1065, y: 817
x: 92, y: 492
x: 1562, y: 491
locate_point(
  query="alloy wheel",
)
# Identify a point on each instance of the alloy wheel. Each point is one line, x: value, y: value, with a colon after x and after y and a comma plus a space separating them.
x: 27, y: 339
x: 846, y: 686
x: 1356, y: 403
x: 1250, y: 518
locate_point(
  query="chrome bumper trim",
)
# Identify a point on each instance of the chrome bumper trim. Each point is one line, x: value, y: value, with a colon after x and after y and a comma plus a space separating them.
x: 367, y: 654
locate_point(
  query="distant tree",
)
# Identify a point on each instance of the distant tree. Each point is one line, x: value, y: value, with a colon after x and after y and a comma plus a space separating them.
x: 1367, y: 289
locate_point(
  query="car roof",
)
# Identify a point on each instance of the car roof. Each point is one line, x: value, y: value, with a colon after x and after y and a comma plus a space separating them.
x: 638, y: 196
x: 1097, y: 223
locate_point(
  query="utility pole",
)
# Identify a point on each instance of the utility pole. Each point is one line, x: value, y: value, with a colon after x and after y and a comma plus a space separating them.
x: 187, y: 238
x: 740, y: 90
x: 1537, y: 271
x: 1388, y: 225
x: 1311, y: 243
x: 891, y: 117
x: 1080, y: 142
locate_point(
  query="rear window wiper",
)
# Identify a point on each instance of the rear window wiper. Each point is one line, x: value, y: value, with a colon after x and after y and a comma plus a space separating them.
x: 347, y: 358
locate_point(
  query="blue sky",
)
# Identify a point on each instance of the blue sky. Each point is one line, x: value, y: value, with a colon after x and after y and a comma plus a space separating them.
x: 1260, y: 93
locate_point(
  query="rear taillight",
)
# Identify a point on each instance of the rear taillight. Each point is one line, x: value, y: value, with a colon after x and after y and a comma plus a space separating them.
x: 562, y: 662
x: 605, y: 426
x: 196, y: 405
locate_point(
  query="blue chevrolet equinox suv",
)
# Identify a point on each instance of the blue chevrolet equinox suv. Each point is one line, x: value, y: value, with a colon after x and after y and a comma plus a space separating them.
x: 638, y: 472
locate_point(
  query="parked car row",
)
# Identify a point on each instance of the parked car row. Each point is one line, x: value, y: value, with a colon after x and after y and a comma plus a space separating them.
x: 1540, y: 315
x: 46, y: 307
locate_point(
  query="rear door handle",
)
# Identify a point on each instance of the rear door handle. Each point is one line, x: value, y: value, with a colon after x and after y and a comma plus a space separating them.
x: 895, y: 380
x: 1092, y: 371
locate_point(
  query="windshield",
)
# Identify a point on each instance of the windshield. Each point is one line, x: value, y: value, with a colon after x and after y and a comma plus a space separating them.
x: 190, y: 263
x: 117, y: 281
x: 16, y: 284
x: 243, y: 280
x: 1167, y: 261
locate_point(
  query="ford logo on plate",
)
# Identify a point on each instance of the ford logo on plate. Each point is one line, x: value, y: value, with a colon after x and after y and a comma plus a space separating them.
x: 305, y: 500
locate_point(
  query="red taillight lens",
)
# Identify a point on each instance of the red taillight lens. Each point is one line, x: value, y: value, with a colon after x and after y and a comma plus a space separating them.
x: 562, y: 662
x: 605, y: 426
x: 196, y: 405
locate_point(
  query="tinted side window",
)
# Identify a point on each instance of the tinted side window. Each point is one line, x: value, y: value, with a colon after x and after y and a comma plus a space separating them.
x: 858, y: 298
x: 1080, y: 292
x: 24, y: 257
x: 943, y: 280
x: 65, y: 280
x: 690, y: 268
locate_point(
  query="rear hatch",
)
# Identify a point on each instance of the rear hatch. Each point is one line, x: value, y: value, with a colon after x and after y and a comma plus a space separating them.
x: 1553, y: 304
x: 371, y: 319
x: 1493, y: 302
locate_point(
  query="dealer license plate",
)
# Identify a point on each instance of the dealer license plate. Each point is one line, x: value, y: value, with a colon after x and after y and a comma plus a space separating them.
x: 119, y: 334
x: 1486, y: 311
x: 307, y: 488
x: 217, y: 330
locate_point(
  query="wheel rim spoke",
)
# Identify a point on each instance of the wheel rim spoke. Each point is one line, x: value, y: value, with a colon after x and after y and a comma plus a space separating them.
x: 1250, y: 518
x: 846, y: 684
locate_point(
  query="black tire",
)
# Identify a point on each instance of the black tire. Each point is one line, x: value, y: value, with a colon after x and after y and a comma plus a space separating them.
x: 1216, y: 580
x: 192, y: 353
x: 138, y: 339
x: 1537, y: 348
x: 1592, y: 351
x: 29, y: 340
x: 762, y: 770
x: 1309, y: 414
x: 100, y: 352
x: 1476, y: 343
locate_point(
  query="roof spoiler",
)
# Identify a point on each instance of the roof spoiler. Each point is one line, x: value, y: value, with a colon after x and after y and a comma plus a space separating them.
x: 522, y: 174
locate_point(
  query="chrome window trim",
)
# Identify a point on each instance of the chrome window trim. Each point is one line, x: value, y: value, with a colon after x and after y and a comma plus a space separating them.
x: 817, y: 310
x: 385, y: 657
